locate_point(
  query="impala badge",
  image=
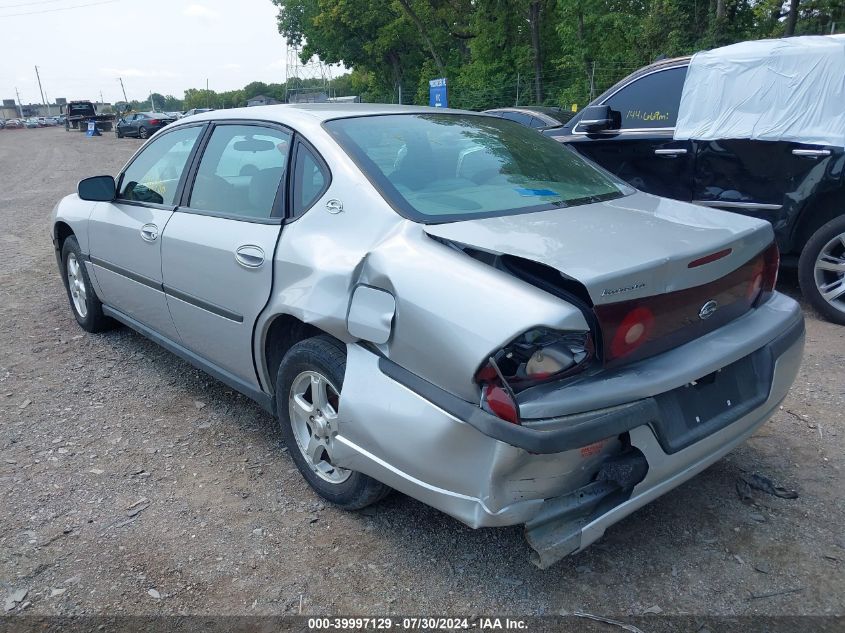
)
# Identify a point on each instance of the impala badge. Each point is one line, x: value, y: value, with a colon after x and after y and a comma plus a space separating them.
x: 708, y: 309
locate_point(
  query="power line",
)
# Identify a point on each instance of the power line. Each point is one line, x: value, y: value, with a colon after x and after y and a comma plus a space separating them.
x: 78, y: 6
x: 29, y: 4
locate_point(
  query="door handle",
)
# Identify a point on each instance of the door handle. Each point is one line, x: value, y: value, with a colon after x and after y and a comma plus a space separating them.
x: 249, y: 256
x: 679, y: 151
x: 811, y: 152
x: 149, y: 232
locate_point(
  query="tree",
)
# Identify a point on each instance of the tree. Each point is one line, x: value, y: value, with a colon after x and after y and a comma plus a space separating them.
x: 791, y: 18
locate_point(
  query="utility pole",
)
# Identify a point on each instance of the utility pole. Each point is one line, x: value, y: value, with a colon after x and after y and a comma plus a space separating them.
x: 123, y: 89
x: 207, y: 96
x: 20, y: 105
x: 101, y: 98
x: 41, y: 91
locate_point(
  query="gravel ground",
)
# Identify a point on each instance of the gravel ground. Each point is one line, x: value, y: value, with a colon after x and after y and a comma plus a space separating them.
x: 131, y: 483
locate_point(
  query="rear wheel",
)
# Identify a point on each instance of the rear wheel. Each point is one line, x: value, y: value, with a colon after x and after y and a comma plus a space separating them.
x: 821, y: 270
x: 308, y: 388
x: 142, y: 132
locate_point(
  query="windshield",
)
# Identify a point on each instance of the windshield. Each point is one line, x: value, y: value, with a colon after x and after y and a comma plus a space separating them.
x: 446, y: 167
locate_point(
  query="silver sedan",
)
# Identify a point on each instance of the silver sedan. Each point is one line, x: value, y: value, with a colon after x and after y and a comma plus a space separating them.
x: 442, y: 303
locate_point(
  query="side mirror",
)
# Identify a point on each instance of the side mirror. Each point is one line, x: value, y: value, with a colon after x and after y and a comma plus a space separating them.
x: 600, y: 118
x: 97, y: 189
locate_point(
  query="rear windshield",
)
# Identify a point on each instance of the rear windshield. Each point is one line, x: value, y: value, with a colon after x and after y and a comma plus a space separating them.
x: 447, y: 167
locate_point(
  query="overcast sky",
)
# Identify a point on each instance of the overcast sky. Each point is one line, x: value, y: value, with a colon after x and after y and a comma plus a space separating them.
x: 162, y: 46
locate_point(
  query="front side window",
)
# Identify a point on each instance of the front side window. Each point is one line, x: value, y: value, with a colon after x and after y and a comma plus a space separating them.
x: 651, y: 101
x: 155, y: 173
x: 240, y: 171
x: 447, y: 167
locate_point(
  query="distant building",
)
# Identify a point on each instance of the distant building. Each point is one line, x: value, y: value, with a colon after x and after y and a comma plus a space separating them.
x: 260, y: 100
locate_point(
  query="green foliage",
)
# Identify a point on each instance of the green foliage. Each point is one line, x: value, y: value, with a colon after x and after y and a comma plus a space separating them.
x: 505, y: 52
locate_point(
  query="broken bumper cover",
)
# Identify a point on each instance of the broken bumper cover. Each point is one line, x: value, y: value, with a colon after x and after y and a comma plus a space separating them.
x: 451, y: 455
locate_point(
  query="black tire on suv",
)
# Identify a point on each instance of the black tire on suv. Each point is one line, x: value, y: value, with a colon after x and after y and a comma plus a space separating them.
x: 821, y: 270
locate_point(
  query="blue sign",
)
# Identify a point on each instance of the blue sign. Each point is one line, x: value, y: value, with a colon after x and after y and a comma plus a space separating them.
x: 437, y: 93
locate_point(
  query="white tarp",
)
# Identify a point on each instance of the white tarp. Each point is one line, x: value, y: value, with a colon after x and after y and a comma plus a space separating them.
x: 791, y: 89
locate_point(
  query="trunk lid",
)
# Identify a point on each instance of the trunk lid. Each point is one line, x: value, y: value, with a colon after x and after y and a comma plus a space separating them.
x: 658, y: 272
x: 633, y: 247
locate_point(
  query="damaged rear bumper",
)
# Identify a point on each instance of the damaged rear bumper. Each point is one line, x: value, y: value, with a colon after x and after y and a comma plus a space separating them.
x: 548, y: 473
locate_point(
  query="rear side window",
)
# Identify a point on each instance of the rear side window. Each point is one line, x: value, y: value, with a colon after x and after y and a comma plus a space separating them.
x: 651, y: 101
x: 240, y: 171
x: 155, y: 173
x: 310, y: 180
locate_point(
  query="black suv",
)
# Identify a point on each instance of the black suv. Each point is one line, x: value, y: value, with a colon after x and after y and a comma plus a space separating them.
x: 799, y: 188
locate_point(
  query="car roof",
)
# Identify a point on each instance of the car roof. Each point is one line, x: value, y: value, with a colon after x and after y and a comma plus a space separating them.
x: 318, y: 112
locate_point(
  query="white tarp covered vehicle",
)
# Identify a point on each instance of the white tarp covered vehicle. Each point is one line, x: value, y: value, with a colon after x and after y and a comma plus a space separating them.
x: 790, y: 89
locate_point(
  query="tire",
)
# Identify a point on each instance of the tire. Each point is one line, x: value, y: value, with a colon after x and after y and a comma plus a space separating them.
x: 118, y: 133
x: 319, y: 357
x: 142, y: 132
x: 84, y: 304
x: 821, y: 270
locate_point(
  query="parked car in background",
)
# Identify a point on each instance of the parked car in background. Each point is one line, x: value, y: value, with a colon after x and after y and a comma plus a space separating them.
x: 442, y: 302
x: 537, y: 117
x: 729, y: 129
x: 175, y: 115
x: 194, y: 111
x: 14, y: 124
x: 2, y: 123
x: 31, y: 123
x: 142, y: 124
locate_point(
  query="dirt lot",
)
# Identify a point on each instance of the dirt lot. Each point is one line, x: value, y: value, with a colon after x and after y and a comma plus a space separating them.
x: 132, y: 483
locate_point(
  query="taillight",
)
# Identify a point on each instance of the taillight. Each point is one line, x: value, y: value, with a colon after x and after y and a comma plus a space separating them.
x: 500, y: 403
x: 536, y: 356
x: 634, y: 330
x: 154, y: 121
x: 771, y: 266
x: 764, y: 275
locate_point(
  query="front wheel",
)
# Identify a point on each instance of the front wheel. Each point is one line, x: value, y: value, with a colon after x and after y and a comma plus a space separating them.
x: 84, y: 303
x: 308, y: 388
x: 118, y: 133
x: 821, y: 270
x: 142, y: 132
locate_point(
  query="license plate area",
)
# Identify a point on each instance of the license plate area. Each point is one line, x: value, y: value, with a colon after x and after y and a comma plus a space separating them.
x: 710, y: 403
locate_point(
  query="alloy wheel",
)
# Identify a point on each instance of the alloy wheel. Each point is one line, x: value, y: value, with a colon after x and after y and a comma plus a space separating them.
x: 830, y: 272
x: 76, y: 284
x: 313, y: 404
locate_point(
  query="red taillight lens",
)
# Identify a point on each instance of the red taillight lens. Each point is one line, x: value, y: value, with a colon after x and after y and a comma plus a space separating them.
x: 154, y: 121
x: 633, y: 331
x: 536, y: 356
x: 500, y: 402
x: 771, y: 265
